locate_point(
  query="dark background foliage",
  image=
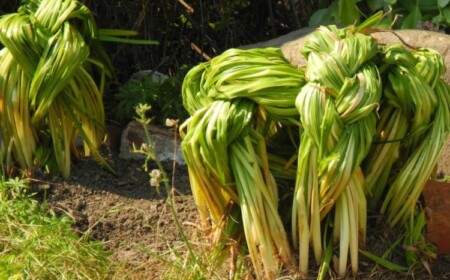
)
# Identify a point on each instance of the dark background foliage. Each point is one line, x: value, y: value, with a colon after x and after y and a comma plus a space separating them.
x: 189, y: 31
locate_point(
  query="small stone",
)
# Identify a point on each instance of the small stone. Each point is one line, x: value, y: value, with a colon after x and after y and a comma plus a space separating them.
x: 123, y: 183
x: 163, y: 141
x: 155, y: 75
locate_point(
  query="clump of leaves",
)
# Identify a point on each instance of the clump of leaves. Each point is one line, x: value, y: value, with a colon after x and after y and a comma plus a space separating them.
x: 163, y: 95
x: 404, y: 14
x: 48, y: 94
x: 38, y: 244
x: 52, y: 76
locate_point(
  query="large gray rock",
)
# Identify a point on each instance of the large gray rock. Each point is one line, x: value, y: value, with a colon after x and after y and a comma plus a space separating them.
x: 292, y: 43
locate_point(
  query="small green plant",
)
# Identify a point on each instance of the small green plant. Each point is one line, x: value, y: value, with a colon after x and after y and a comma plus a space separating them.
x: 186, y: 261
x: 164, y: 96
x: 159, y: 176
x: 404, y: 14
x: 38, y: 244
x: 418, y: 252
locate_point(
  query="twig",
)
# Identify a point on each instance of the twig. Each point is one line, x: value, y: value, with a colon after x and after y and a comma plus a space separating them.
x: 199, y: 27
x: 186, y: 6
x: 200, y: 51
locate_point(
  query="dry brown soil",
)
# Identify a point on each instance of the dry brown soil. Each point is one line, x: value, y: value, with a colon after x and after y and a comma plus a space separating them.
x: 123, y: 210
x: 135, y: 221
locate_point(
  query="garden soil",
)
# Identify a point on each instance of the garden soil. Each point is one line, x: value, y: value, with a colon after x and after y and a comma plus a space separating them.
x: 135, y: 221
x: 123, y: 210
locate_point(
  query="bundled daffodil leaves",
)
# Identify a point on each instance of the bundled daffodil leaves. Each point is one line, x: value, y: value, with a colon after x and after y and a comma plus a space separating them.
x: 52, y: 76
x: 48, y: 95
x: 362, y: 125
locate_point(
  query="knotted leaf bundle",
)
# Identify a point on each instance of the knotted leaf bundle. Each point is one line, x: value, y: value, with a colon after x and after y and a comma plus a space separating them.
x: 245, y: 95
x: 358, y: 126
x: 48, y: 94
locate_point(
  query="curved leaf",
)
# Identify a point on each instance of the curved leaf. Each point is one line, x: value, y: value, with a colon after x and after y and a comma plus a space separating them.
x: 348, y: 12
x: 412, y: 19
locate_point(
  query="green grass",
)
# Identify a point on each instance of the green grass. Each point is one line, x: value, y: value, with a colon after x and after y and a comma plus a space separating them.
x: 37, y: 244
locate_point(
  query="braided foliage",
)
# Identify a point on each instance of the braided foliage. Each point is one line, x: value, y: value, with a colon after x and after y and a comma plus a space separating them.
x: 337, y: 113
x: 230, y: 99
x: 411, y: 133
x: 358, y: 123
x: 48, y: 95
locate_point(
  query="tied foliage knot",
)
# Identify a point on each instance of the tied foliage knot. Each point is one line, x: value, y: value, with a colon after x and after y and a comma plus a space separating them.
x: 48, y: 91
x: 224, y: 147
x: 337, y: 114
x: 359, y: 126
